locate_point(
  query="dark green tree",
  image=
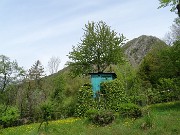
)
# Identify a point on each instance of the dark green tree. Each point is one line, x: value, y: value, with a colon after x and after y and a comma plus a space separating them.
x: 174, y: 58
x: 99, y: 48
x: 161, y: 63
x: 160, y: 74
x: 58, y: 91
x: 150, y: 68
x: 36, y: 73
x: 35, y: 93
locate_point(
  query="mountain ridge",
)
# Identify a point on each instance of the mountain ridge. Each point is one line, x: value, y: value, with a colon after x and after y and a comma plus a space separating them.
x: 136, y: 49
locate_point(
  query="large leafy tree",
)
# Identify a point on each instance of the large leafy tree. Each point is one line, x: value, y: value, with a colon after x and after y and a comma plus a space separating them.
x: 10, y: 72
x: 99, y: 48
x: 10, y: 75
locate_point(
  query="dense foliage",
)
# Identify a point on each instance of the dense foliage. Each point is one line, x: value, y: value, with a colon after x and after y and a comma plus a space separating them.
x: 160, y: 74
x: 112, y: 98
x: 85, y: 100
x: 99, y: 48
x: 129, y: 110
x: 9, y: 116
x: 100, y: 117
x: 114, y: 94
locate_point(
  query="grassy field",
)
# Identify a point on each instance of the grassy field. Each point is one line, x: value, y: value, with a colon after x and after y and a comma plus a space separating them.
x: 160, y: 119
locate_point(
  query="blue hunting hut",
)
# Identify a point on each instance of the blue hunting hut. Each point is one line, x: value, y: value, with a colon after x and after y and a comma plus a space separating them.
x: 98, y: 78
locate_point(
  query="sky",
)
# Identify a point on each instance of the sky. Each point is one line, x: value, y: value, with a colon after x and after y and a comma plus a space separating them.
x: 32, y: 30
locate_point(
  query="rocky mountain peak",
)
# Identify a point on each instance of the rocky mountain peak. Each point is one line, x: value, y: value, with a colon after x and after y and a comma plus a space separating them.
x: 136, y: 49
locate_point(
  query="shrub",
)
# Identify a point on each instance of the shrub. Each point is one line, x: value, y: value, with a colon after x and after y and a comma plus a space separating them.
x: 68, y: 108
x: 90, y: 114
x: 100, y: 117
x: 168, y: 89
x: 46, y: 110
x: 114, y: 94
x: 129, y: 110
x: 84, y: 100
x: 9, y: 116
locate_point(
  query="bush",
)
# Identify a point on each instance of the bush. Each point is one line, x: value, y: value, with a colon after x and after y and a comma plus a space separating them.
x: 100, y: 117
x: 46, y: 110
x: 9, y: 116
x: 129, y: 110
x: 168, y: 89
x: 90, y: 114
x: 114, y: 94
x: 68, y: 108
x: 84, y: 100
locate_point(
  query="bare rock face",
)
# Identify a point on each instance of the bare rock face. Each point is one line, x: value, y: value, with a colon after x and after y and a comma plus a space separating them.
x: 136, y: 49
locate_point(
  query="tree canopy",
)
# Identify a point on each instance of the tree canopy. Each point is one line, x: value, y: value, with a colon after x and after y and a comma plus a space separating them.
x: 99, y: 48
x: 10, y: 72
x: 162, y: 62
